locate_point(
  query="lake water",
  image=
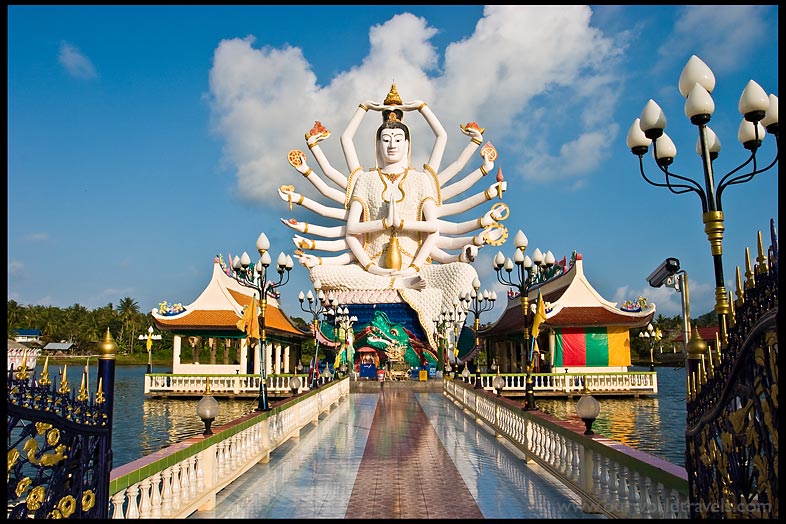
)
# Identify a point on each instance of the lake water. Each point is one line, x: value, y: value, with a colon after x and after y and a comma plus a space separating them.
x: 141, y: 426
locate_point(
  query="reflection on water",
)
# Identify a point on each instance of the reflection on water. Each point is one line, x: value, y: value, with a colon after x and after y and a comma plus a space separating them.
x: 141, y: 426
x: 655, y: 425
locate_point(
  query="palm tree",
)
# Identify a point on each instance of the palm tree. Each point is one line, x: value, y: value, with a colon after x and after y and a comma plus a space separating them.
x: 129, y: 311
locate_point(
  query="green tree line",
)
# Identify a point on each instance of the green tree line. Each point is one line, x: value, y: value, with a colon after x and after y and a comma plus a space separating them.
x: 84, y: 327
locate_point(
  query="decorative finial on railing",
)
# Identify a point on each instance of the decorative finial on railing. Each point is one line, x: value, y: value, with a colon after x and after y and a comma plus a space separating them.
x: 107, y: 349
x: 750, y: 279
x: 44, y: 380
x: 21, y: 372
x: 83, y: 394
x: 710, y: 367
x: 100, y: 399
x: 740, y: 290
x: 732, y: 311
x: 761, y: 259
x: 64, y: 387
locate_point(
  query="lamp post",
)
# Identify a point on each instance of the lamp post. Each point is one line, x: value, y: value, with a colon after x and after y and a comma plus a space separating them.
x: 498, y: 383
x: 345, y: 323
x: 150, y: 337
x: 442, y: 327
x: 322, y: 305
x: 587, y: 408
x: 255, y: 277
x: 759, y: 111
x: 529, y: 273
x: 207, y: 408
x: 456, y: 319
x: 476, y: 303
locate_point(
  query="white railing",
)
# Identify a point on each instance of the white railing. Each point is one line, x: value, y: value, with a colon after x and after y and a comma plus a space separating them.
x: 169, y: 384
x: 609, y: 477
x: 558, y: 384
x: 186, y: 476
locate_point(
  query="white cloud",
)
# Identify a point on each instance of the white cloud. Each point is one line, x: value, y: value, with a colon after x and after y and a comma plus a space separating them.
x: 15, y: 268
x: 722, y: 36
x: 75, y: 62
x: 37, y: 237
x: 518, y: 59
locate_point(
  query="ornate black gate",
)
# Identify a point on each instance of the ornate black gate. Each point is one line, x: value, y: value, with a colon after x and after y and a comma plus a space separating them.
x: 60, y: 442
x: 732, y: 426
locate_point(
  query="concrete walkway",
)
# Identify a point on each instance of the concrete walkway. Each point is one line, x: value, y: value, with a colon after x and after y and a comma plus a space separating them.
x: 395, y: 453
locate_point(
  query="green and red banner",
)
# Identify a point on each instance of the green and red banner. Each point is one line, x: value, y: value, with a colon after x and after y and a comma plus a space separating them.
x: 592, y: 346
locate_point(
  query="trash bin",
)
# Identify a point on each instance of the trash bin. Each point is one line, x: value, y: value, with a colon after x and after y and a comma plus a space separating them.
x: 423, y: 375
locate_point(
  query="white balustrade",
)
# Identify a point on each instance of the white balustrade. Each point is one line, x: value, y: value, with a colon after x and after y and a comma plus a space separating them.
x: 584, y: 464
x: 192, y: 484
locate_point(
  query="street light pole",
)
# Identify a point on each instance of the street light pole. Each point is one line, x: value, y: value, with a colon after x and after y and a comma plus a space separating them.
x: 150, y: 337
x: 255, y: 277
x: 530, y: 272
x: 456, y: 318
x: 759, y: 111
x: 442, y: 326
x: 476, y: 303
x: 345, y: 323
x: 323, y: 305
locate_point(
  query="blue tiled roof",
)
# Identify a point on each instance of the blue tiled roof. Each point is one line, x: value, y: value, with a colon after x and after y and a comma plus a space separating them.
x: 29, y: 332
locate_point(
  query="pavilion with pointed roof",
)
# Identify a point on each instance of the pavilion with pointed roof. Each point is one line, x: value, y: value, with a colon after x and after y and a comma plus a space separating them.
x: 214, y: 316
x: 583, y: 332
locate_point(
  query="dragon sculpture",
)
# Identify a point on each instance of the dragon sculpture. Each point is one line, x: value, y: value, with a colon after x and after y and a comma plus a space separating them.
x: 394, y: 342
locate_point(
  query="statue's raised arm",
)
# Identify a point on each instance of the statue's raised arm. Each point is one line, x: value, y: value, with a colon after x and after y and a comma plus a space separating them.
x: 288, y: 194
x: 317, y: 134
x: 475, y: 133
x: 297, y: 159
x: 489, y: 154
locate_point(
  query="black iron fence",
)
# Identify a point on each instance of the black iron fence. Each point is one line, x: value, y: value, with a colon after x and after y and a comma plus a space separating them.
x: 732, y: 422
x: 60, y: 442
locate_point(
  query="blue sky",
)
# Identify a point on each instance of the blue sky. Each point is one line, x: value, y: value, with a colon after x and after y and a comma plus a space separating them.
x: 145, y: 140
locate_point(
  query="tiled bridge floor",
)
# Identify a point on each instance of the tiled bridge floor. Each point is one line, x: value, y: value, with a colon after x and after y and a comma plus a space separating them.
x: 395, y: 454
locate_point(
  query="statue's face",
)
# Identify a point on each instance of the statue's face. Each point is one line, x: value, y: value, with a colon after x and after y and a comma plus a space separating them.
x: 393, y: 145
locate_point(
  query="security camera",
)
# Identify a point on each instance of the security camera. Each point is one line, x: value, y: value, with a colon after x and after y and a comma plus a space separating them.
x: 668, y: 268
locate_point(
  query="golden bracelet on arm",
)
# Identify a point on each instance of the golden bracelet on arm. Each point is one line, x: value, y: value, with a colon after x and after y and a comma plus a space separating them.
x: 483, y: 171
x: 476, y: 141
x: 320, y: 260
x: 311, y: 146
x: 311, y: 171
x: 305, y: 227
x: 384, y: 224
x: 416, y: 267
x: 300, y: 200
x: 486, y: 192
x: 368, y: 265
x: 480, y: 222
x: 363, y: 107
x: 421, y: 106
x: 401, y: 225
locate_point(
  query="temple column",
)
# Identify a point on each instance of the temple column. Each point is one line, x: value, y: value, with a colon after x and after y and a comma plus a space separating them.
x: 176, y: 345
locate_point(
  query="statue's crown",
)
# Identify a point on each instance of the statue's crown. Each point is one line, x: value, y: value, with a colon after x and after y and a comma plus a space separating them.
x: 393, y: 99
